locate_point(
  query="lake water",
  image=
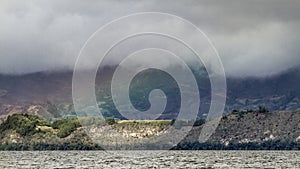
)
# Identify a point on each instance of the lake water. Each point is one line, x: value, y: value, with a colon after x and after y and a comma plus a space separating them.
x: 150, y: 159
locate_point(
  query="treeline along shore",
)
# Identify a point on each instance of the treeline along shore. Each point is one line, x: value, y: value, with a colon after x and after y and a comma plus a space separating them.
x: 240, y: 130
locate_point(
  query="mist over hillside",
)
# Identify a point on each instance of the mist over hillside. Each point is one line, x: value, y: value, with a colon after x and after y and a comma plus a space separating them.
x: 49, y: 93
x: 257, y: 46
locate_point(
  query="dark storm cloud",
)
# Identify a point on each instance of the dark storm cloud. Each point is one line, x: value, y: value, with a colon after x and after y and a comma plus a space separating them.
x: 254, y: 38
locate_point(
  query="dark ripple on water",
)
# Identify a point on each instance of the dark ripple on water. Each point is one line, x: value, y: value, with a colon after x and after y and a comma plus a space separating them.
x: 149, y: 159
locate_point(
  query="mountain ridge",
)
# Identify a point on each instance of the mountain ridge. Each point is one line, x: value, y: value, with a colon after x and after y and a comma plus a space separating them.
x: 45, y: 89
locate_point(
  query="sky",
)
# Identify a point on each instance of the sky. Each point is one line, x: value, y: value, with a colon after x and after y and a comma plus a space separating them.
x: 253, y: 38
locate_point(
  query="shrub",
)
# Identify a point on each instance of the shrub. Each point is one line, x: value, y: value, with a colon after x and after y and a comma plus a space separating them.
x: 65, y: 126
x: 262, y: 109
x: 110, y: 121
x: 199, y: 122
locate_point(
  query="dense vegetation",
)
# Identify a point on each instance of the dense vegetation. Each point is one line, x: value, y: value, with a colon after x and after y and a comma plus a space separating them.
x: 27, y: 125
x: 65, y: 126
x: 23, y: 124
x: 268, y: 145
x: 30, y: 132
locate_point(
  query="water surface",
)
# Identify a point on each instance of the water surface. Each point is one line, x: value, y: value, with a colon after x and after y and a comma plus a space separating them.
x: 150, y: 159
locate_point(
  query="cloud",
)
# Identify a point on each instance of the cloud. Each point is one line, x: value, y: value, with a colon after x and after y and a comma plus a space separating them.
x: 254, y: 38
x: 269, y: 49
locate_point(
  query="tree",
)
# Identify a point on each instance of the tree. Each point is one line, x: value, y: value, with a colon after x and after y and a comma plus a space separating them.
x: 262, y: 109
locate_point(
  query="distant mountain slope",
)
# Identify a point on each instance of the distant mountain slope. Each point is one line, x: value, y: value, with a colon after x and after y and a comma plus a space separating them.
x: 51, y: 93
x: 281, y: 92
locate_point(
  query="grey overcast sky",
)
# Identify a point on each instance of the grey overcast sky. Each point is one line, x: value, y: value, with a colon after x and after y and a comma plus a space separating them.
x: 254, y: 38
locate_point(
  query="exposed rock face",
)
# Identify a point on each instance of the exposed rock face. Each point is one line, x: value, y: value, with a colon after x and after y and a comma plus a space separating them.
x: 256, y: 127
x: 39, y: 110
